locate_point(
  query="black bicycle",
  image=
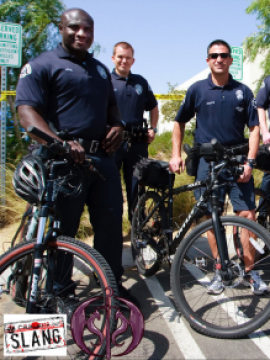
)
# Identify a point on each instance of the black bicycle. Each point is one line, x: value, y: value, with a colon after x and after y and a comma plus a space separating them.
x: 30, y: 273
x: 237, y: 311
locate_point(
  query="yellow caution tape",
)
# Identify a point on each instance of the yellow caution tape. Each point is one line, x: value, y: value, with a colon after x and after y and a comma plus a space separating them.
x: 5, y: 93
x: 169, y: 97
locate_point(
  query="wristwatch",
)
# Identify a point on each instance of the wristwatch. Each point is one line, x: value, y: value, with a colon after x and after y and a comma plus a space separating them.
x: 251, y: 162
x: 155, y: 129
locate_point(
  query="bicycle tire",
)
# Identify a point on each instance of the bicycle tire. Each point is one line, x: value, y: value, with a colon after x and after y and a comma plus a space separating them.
x: 89, y: 269
x: 237, y: 311
x: 146, y: 259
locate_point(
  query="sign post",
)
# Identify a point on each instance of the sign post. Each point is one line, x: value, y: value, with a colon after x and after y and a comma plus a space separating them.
x: 10, y: 56
x: 236, y: 69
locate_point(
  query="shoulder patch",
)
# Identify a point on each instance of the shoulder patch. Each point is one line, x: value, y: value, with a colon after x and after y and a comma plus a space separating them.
x: 138, y: 89
x: 26, y: 70
x: 102, y: 72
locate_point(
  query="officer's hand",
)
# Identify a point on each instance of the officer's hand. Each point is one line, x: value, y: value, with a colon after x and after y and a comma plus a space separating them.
x: 151, y: 135
x: 176, y: 165
x: 266, y: 138
x: 244, y: 178
x: 113, y: 139
x: 77, y: 152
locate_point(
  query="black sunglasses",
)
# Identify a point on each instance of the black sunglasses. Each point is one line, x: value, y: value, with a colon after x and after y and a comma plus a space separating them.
x: 216, y: 55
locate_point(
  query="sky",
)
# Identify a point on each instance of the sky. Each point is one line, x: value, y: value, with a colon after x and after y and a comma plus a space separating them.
x: 170, y: 37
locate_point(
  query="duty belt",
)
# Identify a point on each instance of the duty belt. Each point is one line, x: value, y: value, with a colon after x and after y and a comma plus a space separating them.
x: 90, y: 146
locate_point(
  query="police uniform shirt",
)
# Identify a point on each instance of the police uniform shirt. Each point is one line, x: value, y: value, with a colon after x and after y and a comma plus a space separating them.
x: 71, y: 94
x: 221, y: 111
x: 134, y: 96
x: 263, y: 97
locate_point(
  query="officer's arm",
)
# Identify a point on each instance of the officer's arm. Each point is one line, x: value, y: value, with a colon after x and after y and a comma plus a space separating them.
x: 115, y: 135
x: 263, y: 126
x: 154, y: 115
x: 31, y: 116
x: 254, y: 141
x: 176, y: 163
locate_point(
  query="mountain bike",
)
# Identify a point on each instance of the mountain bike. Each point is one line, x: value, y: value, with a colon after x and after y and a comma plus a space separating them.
x: 30, y: 273
x: 237, y: 311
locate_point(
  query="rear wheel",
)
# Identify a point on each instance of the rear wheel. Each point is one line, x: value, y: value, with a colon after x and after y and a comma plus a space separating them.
x: 91, y: 276
x: 148, y: 223
x: 236, y: 311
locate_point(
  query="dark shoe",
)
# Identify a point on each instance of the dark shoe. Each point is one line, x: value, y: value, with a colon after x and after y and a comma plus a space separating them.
x: 124, y: 293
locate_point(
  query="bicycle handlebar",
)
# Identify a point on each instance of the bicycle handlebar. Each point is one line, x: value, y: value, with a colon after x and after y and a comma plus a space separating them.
x: 61, y: 147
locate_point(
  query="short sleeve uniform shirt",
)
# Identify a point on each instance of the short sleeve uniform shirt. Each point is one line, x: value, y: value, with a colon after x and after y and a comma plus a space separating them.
x: 263, y: 97
x: 221, y: 112
x: 73, y: 95
x: 134, y: 96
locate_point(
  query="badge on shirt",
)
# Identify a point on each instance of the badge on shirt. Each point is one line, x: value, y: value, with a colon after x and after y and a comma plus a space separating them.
x: 26, y: 70
x: 102, y: 72
x: 138, y: 89
x: 239, y: 95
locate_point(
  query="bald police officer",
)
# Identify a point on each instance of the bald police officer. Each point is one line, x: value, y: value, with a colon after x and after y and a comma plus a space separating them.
x: 71, y: 89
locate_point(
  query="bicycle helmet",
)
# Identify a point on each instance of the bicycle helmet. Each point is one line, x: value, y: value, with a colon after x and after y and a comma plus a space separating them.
x: 29, y: 179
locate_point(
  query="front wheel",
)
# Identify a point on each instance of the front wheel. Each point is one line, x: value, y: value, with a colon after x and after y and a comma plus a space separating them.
x: 236, y: 311
x: 90, y: 277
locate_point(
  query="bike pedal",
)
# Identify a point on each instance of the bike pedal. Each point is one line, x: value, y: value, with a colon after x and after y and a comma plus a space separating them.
x: 200, y: 262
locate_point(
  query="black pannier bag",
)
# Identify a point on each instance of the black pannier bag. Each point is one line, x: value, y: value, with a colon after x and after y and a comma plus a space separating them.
x: 263, y: 158
x: 153, y: 173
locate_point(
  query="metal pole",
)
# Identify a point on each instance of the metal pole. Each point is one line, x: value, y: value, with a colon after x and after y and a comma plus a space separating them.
x: 3, y: 138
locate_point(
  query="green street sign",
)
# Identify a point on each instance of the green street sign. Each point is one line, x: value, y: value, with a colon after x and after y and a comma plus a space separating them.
x: 10, y: 44
x: 236, y: 69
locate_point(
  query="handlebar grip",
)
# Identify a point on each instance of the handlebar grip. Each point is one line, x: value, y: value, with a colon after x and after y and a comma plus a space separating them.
x: 217, y: 145
x: 35, y: 131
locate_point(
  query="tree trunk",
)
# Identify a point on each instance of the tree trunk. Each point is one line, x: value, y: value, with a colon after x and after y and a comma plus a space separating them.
x: 11, y: 102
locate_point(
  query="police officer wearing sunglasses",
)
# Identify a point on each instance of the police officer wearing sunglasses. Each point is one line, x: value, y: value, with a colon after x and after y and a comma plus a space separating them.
x: 223, y: 107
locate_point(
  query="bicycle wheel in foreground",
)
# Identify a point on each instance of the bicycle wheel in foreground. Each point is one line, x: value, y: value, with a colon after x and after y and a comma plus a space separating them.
x: 147, y: 233
x: 90, y: 274
x: 237, y: 311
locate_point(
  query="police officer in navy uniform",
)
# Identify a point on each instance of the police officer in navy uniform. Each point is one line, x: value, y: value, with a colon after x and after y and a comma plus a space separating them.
x: 71, y: 89
x: 134, y: 96
x: 263, y: 104
x: 223, y: 107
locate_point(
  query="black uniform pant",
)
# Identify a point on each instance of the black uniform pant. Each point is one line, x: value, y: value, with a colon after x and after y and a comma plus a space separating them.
x: 128, y: 157
x: 104, y: 201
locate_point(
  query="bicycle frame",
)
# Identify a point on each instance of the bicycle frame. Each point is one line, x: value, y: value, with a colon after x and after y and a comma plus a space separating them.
x: 53, y: 232
x: 199, y: 208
